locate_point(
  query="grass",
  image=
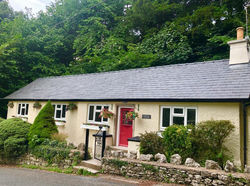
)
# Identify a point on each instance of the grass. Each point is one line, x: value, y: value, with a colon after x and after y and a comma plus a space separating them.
x: 52, y: 169
x: 58, y: 170
x: 85, y: 173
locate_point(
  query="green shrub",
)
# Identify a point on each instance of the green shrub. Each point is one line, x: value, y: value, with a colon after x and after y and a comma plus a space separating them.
x: 208, y: 138
x: 13, y: 137
x: 43, y: 127
x: 1, y: 119
x: 151, y: 143
x: 52, y: 151
x: 177, y: 140
x: 14, y: 147
x: 59, y: 137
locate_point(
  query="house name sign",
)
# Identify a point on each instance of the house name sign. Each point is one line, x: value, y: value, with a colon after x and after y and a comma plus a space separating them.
x: 146, y: 116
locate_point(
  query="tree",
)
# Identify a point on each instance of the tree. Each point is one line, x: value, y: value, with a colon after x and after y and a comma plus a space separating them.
x: 43, y: 127
x: 169, y: 45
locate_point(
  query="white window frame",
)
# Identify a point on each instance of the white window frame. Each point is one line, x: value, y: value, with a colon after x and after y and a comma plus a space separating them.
x: 161, y: 115
x: 172, y: 114
x: 22, y: 107
x: 95, y: 110
x: 61, y: 118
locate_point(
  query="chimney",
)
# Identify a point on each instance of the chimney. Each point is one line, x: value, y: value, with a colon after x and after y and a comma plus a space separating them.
x: 239, y: 49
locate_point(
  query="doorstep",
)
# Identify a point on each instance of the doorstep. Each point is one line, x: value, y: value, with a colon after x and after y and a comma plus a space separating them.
x: 119, y: 148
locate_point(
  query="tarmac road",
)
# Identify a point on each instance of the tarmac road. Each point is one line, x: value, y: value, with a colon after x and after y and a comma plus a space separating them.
x: 12, y: 176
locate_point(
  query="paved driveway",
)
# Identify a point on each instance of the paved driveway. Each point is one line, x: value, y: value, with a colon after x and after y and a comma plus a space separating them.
x: 11, y: 176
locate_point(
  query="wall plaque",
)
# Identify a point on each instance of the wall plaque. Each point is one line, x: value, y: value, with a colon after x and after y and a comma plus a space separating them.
x: 146, y: 116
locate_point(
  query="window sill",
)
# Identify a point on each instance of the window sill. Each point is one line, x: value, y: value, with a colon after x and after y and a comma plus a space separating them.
x: 24, y: 118
x: 60, y: 123
x: 95, y: 126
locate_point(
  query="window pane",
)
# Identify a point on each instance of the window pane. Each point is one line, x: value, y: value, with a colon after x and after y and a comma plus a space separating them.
x: 91, y: 113
x: 106, y: 107
x: 27, y: 109
x: 105, y: 119
x: 23, y: 111
x: 97, y: 118
x: 19, y: 109
x: 166, y: 117
x: 58, y: 114
x: 191, y: 116
x: 23, y: 105
x: 58, y: 106
x: 63, y: 111
x: 98, y: 107
x: 178, y: 120
x: 178, y: 110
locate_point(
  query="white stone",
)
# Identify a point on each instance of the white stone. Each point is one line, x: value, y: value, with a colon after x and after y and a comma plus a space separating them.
x: 146, y: 157
x: 247, y: 169
x: 161, y: 158
x: 229, y: 167
x: 132, y: 155
x: 176, y: 159
x: 191, y: 163
x: 210, y: 164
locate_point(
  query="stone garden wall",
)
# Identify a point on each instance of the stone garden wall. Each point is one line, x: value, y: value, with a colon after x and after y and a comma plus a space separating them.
x: 166, y: 172
x: 30, y: 159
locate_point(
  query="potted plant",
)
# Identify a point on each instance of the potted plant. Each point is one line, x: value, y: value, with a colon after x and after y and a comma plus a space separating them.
x: 132, y: 115
x: 10, y: 104
x: 71, y: 106
x: 105, y: 113
x: 37, y: 105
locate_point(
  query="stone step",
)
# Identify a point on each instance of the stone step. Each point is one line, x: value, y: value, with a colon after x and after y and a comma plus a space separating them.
x: 76, y: 168
x: 92, y: 164
x: 117, y: 148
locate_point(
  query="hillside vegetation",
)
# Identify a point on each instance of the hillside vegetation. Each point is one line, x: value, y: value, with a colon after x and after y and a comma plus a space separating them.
x: 85, y: 36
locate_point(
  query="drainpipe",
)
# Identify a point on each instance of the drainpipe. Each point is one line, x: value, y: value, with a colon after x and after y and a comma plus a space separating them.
x: 245, y: 105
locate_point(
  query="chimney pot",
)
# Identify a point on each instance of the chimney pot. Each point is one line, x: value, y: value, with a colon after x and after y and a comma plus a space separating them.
x: 240, y: 33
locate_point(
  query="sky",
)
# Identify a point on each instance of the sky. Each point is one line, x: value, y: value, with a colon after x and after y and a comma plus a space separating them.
x: 36, y: 5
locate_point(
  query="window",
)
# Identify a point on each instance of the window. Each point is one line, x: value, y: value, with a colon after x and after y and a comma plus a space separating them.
x: 23, y: 109
x: 60, y: 112
x: 94, y: 113
x: 178, y: 116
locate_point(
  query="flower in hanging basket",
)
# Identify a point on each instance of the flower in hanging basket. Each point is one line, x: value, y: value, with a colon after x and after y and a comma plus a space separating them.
x: 105, y: 113
x: 71, y: 106
x: 132, y: 115
x: 37, y: 105
x: 10, y: 104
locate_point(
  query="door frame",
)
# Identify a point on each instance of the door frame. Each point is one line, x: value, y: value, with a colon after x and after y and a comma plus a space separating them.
x: 118, y: 126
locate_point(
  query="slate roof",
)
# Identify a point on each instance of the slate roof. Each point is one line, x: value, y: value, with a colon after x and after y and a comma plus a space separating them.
x: 200, y: 80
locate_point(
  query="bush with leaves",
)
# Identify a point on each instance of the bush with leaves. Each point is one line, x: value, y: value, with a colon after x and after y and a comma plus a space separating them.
x: 208, y: 139
x: 13, y: 137
x: 1, y: 119
x: 177, y: 140
x: 151, y: 143
x: 52, y: 151
x: 43, y: 127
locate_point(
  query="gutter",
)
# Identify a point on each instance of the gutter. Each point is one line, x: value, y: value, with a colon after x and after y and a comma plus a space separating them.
x: 138, y: 99
x: 245, y: 105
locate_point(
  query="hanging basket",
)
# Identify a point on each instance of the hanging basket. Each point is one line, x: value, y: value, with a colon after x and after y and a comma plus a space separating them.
x: 37, y: 105
x: 10, y: 104
x: 132, y: 115
x: 105, y: 113
x: 71, y: 106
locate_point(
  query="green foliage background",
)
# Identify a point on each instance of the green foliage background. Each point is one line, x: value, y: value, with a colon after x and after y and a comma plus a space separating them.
x: 86, y: 36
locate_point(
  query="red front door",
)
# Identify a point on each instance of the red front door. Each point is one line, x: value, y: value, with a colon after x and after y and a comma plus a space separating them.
x: 126, y: 127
